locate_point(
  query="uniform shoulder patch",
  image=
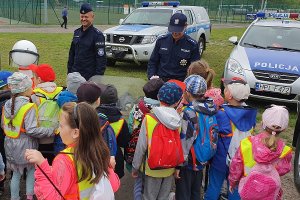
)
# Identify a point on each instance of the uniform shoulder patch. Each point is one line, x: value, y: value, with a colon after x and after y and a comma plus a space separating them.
x: 101, y: 51
x: 191, y: 40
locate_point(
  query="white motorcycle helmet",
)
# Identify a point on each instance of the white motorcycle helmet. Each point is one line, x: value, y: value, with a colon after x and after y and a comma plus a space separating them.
x: 23, y: 53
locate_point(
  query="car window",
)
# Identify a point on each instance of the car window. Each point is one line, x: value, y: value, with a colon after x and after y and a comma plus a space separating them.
x: 189, y: 17
x: 269, y: 37
x: 149, y: 17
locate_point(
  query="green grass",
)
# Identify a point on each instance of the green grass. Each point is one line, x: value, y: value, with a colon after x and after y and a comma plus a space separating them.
x: 54, y: 49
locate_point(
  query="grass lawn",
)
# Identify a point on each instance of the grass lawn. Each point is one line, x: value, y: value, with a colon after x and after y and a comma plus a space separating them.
x: 54, y: 49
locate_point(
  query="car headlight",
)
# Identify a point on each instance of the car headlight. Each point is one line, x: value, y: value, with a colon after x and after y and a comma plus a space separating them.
x: 234, y: 66
x: 148, y: 39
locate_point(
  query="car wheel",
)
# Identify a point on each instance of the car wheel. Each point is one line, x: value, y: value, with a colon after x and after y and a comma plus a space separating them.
x: 297, y: 165
x: 110, y: 62
x: 201, y: 44
x: 222, y: 87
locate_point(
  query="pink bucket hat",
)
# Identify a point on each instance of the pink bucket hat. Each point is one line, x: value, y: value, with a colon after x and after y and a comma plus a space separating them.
x: 275, y: 116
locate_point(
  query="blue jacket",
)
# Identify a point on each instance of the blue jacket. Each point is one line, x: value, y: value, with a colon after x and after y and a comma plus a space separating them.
x: 244, y: 118
x: 170, y: 60
x: 87, y: 53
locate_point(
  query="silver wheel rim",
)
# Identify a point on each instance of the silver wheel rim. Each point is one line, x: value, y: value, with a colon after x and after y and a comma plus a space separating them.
x: 201, y: 46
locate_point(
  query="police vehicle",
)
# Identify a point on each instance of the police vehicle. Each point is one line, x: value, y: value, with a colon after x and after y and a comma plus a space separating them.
x: 134, y: 39
x: 268, y: 57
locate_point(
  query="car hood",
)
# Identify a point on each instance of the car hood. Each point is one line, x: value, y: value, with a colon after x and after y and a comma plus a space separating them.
x: 137, y: 30
x: 267, y: 60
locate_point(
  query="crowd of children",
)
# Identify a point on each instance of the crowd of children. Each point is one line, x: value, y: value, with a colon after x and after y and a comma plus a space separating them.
x: 74, y: 143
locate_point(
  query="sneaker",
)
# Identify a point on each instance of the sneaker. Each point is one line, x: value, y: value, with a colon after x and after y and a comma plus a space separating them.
x: 171, y: 196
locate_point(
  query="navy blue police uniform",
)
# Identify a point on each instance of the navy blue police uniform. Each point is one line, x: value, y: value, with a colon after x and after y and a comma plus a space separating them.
x: 87, y: 52
x: 170, y: 59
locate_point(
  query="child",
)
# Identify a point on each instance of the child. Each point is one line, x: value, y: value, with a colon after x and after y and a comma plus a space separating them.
x: 266, y: 148
x: 236, y: 121
x: 19, y: 122
x: 157, y: 183
x: 202, y: 68
x: 4, y: 96
x: 74, y: 80
x: 90, y: 93
x: 108, y: 106
x: 46, y: 89
x: 86, y: 151
x: 189, y: 175
x: 136, y: 116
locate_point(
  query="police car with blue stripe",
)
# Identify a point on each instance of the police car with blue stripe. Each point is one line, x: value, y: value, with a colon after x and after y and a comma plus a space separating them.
x: 134, y: 39
x: 268, y: 57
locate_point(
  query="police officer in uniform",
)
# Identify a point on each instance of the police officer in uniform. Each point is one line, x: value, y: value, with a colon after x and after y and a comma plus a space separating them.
x: 173, y: 52
x: 87, y: 52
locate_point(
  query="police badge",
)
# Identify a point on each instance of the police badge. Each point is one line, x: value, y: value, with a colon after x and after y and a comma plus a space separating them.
x: 183, y: 62
x: 101, y: 52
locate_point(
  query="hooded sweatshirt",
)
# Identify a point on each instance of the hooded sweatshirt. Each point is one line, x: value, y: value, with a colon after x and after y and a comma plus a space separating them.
x: 261, y: 154
x: 168, y: 117
x: 243, y: 117
x: 15, y: 148
x: 189, y: 127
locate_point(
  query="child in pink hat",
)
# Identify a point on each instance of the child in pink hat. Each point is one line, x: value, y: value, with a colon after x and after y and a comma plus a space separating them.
x: 261, y: 159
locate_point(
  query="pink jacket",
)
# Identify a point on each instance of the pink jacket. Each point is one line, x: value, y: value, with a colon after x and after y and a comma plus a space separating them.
x: 64, y: 176
x: 262, y: 154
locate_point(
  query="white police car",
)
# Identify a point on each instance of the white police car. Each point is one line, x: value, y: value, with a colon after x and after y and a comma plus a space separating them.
x: 134, y: 39
x: 268, y: 57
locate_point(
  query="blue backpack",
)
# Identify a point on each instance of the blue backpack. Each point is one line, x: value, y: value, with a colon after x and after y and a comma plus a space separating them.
x: 205, y: 145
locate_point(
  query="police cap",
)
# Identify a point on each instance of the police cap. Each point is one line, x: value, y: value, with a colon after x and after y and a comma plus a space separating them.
x: 85, y: 8
x: 177, y: 23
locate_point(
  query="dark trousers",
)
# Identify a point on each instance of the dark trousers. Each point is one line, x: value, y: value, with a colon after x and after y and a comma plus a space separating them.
x: 189, y: 184
x: 65, y: 21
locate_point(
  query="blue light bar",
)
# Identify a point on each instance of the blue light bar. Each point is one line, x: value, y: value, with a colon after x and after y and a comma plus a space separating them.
x: 160, y: 3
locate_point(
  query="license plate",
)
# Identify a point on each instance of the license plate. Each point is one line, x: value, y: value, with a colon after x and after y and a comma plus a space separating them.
x: 114, y: 48
x: 273, y: 88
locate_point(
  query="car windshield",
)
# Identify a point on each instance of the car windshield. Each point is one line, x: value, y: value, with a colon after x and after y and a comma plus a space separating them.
x: 159, y: 17
x: 275, y: 38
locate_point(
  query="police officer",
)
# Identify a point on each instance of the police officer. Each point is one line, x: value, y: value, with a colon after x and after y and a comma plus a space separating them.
x: 173, y: 52
x: 87, y: 52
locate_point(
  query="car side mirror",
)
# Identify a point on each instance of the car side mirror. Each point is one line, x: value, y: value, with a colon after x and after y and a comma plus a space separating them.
x: 233, y: 40
x: 121, y: 21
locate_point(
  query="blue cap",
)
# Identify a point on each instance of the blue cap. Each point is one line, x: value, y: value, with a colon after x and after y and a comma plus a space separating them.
x: 195, y: 85
x: 3, y: 77
x: 169, y: 93
x: 85, y: 8
x: 177, y: 23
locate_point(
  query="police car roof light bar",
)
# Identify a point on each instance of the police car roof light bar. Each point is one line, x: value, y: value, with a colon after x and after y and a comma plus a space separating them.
x: 278, y: 15
x: 160, y: 3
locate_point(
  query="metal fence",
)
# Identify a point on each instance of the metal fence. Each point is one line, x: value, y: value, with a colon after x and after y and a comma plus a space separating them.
x: 110, y: 11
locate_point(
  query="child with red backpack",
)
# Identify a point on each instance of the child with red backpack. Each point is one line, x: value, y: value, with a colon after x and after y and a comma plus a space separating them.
x: 136, y: 117
x: 199, y: 134
x: 159, y: 149
x: 261, y: 159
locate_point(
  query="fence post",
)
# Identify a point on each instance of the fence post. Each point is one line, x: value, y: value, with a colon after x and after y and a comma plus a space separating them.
x: 45, y: 11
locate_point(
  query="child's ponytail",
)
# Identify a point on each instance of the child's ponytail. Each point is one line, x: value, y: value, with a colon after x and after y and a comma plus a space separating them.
x: 202, y: 69
x: 271, y: 141
x: 12, y: 111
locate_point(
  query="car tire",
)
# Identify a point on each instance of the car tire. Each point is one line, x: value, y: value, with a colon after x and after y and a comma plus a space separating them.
x: 297, y: 165
x: 222, y: 87
x: 110, y: 62
x: 201, y: 44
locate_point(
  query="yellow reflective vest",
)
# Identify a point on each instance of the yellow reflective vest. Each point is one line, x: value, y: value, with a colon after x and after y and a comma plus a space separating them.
x: 49, y: 95
x: 18, y: 121
x: 85, y: 188
x: 247, y: 155
x: 150, y: 125
x: 117, y: 126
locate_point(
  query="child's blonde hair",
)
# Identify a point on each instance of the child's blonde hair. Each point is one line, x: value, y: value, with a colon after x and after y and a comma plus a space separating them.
x: 274, y: 120
x: 202, y: 68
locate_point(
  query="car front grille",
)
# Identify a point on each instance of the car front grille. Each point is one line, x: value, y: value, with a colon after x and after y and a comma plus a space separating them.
x: 277, y: 77
x: 122, y: 39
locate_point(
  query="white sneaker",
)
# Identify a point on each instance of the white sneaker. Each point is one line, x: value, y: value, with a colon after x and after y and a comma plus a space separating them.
x: 172, y: 196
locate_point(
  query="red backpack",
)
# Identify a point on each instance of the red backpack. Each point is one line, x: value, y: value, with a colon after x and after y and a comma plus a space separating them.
x: 165, y: 148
